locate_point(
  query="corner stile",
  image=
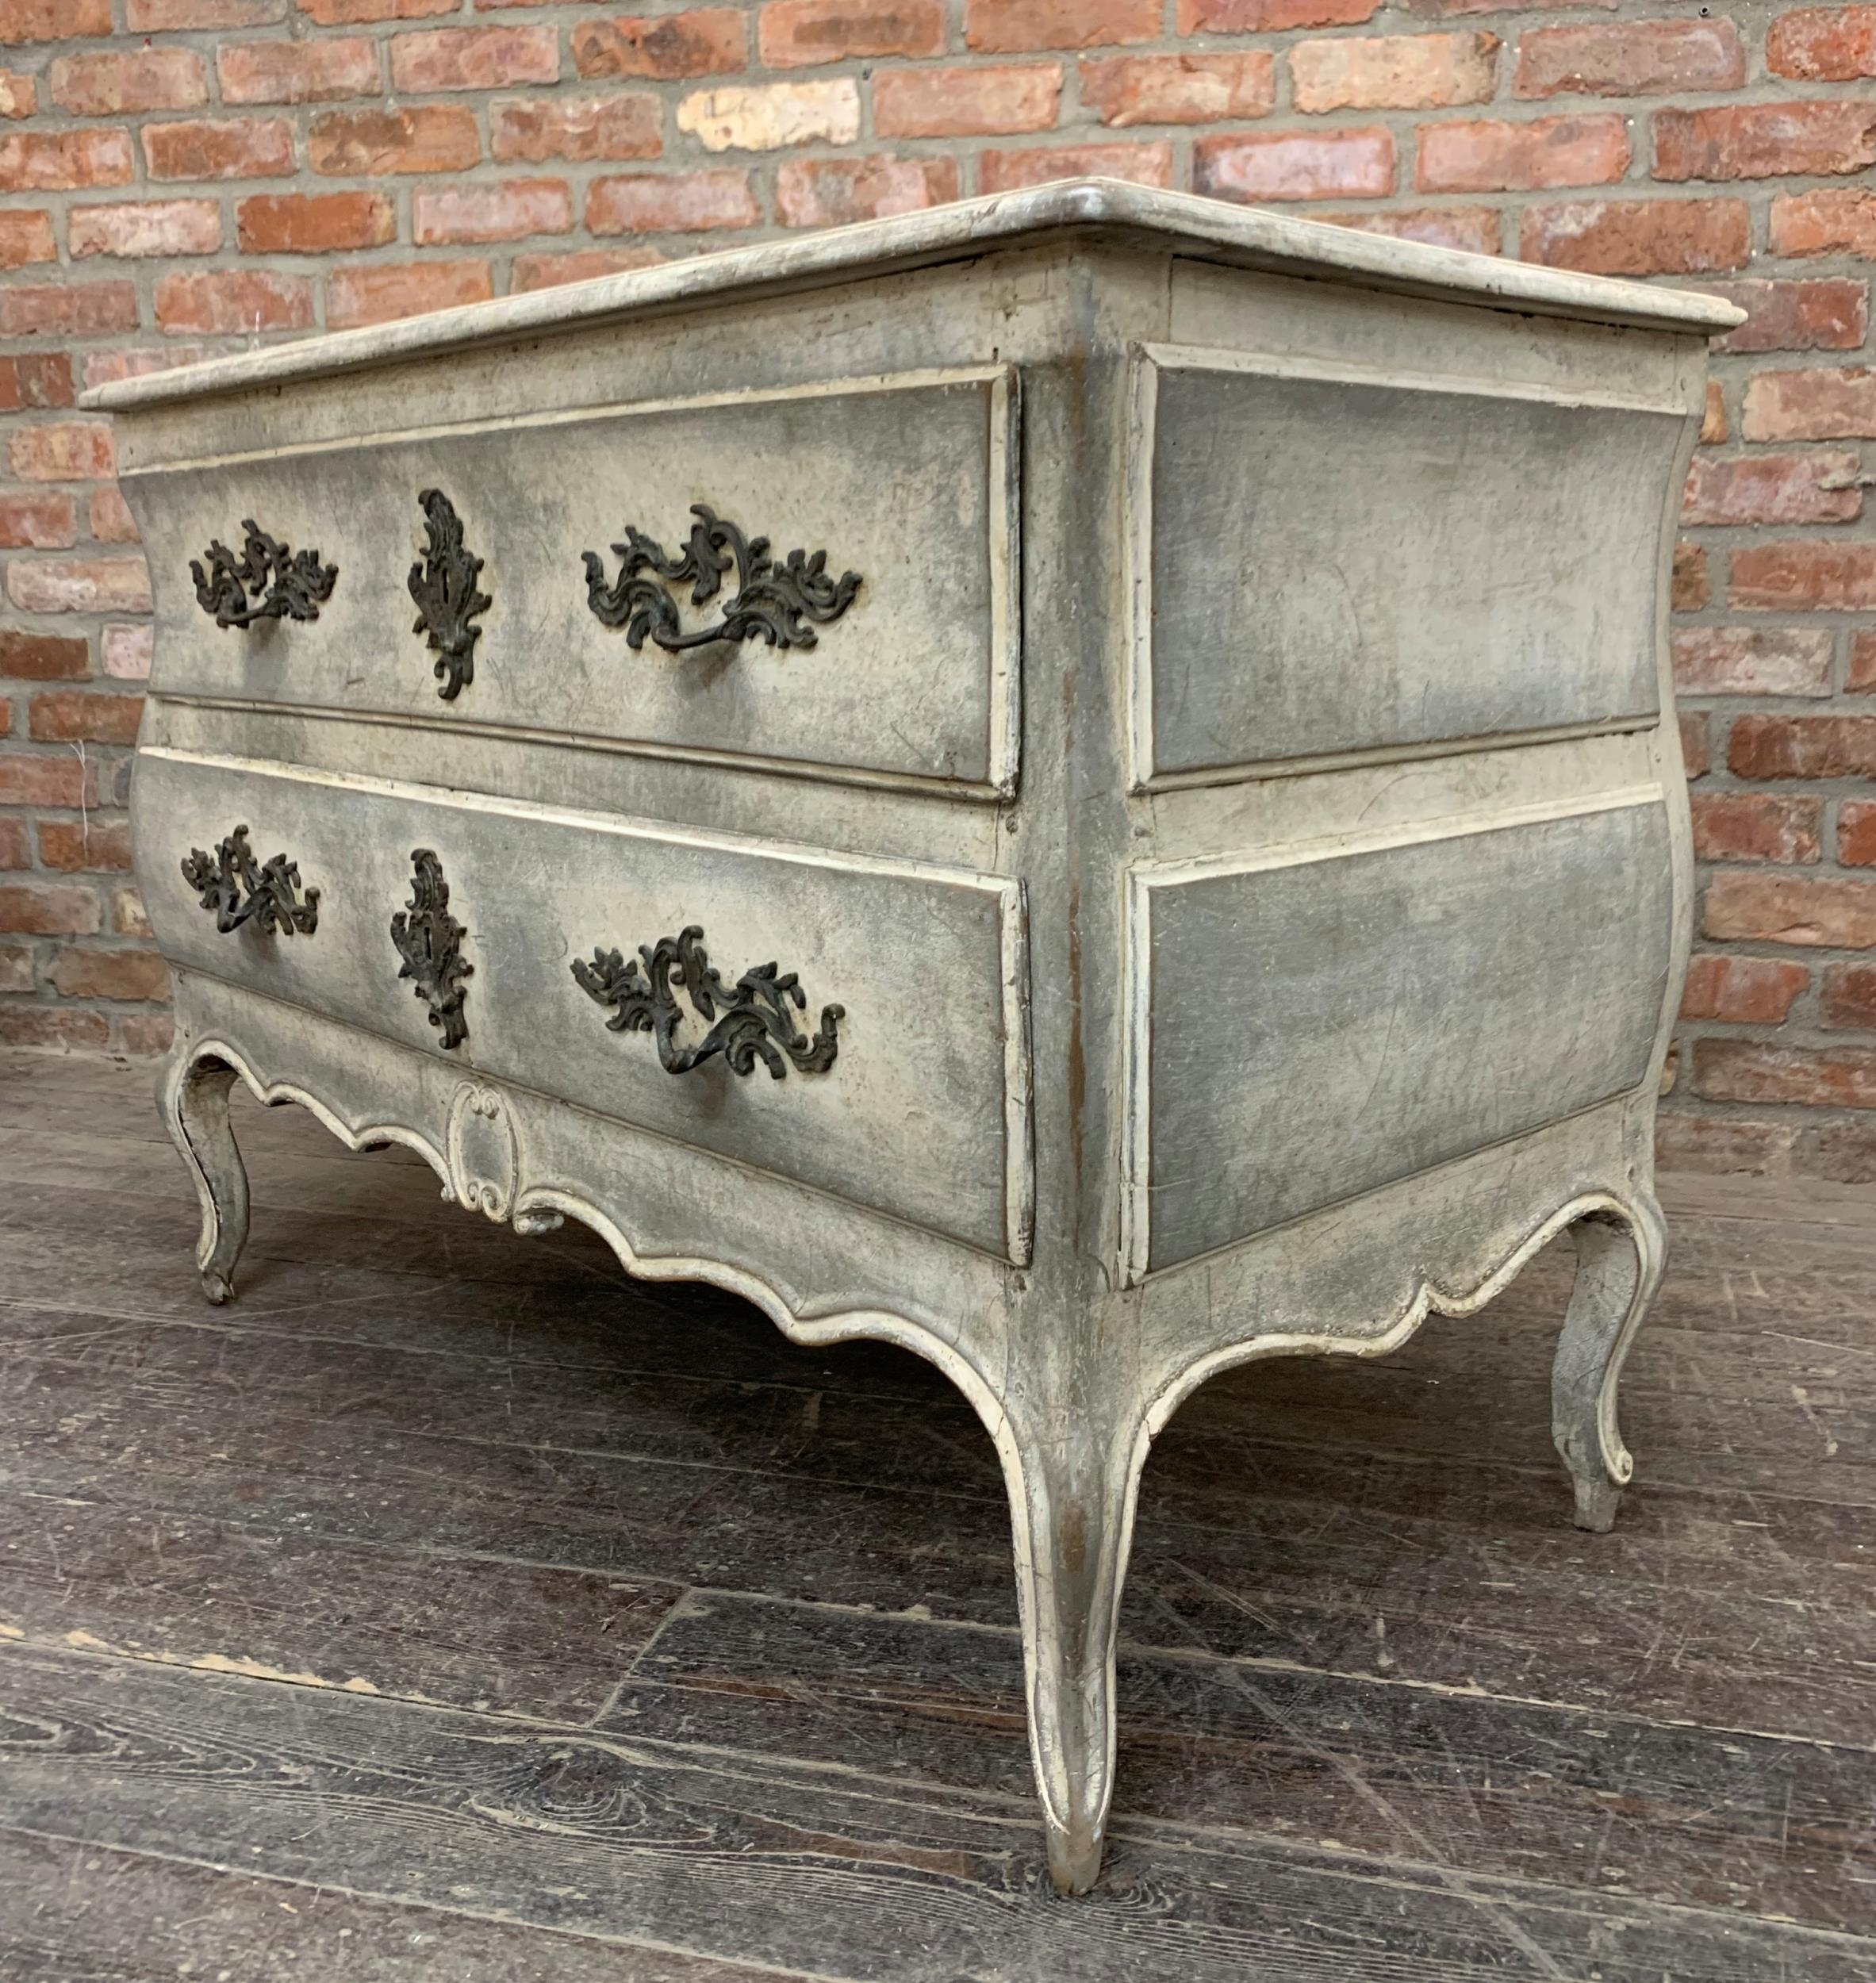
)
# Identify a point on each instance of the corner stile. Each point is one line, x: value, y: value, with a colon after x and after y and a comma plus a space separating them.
x: 1136, y: 1153
x: 1143, y: 404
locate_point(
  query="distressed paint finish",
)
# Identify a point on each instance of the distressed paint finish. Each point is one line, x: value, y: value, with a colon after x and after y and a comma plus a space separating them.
x: 1067, y: 1152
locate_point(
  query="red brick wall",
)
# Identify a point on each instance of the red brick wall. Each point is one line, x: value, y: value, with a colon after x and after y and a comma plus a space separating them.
x: 184, y: 176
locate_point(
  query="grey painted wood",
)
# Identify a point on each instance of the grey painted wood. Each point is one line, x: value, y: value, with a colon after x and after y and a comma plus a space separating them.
x: 971, y: 1180
x: 1328, y: 1025
x: 1345, y: 558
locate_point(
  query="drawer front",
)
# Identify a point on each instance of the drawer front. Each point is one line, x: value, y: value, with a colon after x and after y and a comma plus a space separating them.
x: 906, y: 482
x: 913, y: 1099
x: 1331, y: 565
x: 1313, y: 1027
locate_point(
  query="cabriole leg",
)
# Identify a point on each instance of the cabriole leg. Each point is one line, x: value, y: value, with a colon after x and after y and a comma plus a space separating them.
x: 193, y: 1098
x: 1619, y: 1259
x: 1073, y: 1514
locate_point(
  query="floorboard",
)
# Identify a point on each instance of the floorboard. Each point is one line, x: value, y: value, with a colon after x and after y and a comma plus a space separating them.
x: 451, y: 1607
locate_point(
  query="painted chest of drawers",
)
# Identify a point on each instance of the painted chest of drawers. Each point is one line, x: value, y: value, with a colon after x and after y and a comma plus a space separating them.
x: 1084, y: 782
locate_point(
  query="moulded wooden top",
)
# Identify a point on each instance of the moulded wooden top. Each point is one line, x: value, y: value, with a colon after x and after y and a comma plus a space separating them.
x: 1210, y: 230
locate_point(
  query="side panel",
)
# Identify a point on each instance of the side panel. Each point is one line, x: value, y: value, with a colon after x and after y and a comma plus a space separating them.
x: 1334, y: 562
x: 1327, y: 1020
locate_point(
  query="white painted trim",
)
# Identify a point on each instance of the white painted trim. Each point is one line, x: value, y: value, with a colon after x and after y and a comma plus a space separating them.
x: 1162, y: 222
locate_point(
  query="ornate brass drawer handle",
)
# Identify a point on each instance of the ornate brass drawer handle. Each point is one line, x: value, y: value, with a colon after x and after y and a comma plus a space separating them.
x: 429, y: 940
x: 267, y: 581
x: 758, y: 1021
x: 442, y: 585
x: 772, y: 602
x: 240, y: 890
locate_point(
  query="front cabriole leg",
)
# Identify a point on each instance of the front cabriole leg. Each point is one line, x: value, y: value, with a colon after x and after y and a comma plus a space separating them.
x: 1619, y: 1258
x: 192, y: 1096
x: 1072, y: 1489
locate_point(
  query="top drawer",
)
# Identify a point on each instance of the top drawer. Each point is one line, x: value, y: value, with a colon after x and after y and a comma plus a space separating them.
x: 908, y: 481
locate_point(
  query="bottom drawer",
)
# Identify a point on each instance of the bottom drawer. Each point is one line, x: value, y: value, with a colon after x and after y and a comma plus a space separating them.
x: 911, y: 1099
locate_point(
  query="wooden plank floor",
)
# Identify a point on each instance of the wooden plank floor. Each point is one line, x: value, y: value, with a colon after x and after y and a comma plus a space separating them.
x: 450, y: 1608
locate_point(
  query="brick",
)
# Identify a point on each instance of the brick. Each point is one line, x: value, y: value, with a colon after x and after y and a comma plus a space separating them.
x: 1713, y: 420
x: 437, y: 137
x: 219, y: 148
x: 1826, y: 403
x: 1860, y: 679
x: 710, y: 41
x: 351, y: 13
x: 797, y: 33
x: 137, y: 229
x: 509, y: 211
x: 1822, y: 577
x: 1638, y: 237
x: 1743, y: 906
x: 35, y: 379
x: 64, y: 1029
x: 232, y: 302
x: 580, y: 264
x: 834, y: 192
x: 1723, y: 1145
x: 27, y: 657
x: 54, y: 20
x: 170, y: 17
x: 113, y: 85
x: 1270, y: 17
x: 1856, y: 834
x: 1848, y: 1000
x: 765, y: 117
x: 61, y: 451
x: 575, y: 129
x: 64, y: 161
x: 1695, y: 758
x: 68, y: 309
x: 1769, y: 746
x: 1016, y: 27
x: 1629, y: 59
x: 26, y: 235
x: 1752, y: 661
x: 682, y: 203
x: 1688, y: 587
x: 1757, y: 825
x: 35, y: 519
x: 439, y: 59
x: 1474, y: 229
x: 110, y: 974
x: 105, y: 368
x: 1178, y: 89
x: 110, y: 516
x: 58, y: 778
x: 297, y: 71
x: 1392, y: 72
x: 1761, y: 140
x: 985, y: 101
x: 126, y: 652
x: 313, y: 223
x: 1008, y: 171
x: 1829, y: 313
x: 128, y: 918
x: 1749, y: 1071
x: 1295, y: 165
x: 16, y: 852
x: 1823, y: 45
x: 81, y: 715
x: 1773, y: 488
x: 47, y: 909
x: 378, y: 293
x: 1492, y: 155
x: 19, y: 94
x: 1742, y: 991
x: 1832, y: 221
x: 85, y: 846
x: 138, y: 1035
